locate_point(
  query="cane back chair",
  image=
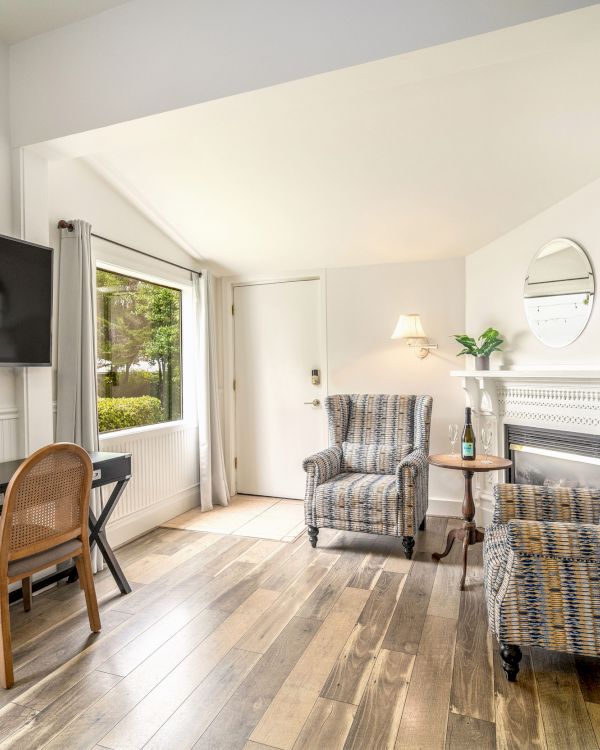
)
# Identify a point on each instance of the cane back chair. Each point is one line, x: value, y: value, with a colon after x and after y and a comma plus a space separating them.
x: 44, y: 522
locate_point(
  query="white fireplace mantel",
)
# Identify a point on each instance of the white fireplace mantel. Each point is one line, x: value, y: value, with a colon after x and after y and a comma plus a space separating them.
x: 555, y: 398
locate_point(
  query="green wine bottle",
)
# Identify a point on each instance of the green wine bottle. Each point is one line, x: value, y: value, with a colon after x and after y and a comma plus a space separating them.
x: 468, y: 438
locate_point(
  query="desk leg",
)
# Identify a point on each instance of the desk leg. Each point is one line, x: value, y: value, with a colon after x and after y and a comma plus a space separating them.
x: 468, y: 533
x: 98, y: 536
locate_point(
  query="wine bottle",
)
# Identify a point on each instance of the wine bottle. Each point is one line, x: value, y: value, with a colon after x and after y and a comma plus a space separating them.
x: 468, y: 438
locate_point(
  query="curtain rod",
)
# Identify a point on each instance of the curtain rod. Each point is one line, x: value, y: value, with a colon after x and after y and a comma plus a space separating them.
x: 62, y: 224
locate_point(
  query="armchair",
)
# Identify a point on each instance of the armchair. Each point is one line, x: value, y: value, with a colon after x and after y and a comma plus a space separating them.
x: 541, y: 564
x: 373, y: 477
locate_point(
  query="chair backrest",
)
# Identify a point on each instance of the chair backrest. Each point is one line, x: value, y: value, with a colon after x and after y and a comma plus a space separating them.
x: 46, y: 502
x: 393, y: 425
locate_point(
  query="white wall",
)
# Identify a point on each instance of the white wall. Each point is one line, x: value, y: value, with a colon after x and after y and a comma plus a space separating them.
x: 363, y: 305
x: 5, y: 185
x: 7, y: 389
x: 150, y: 56
x: 165, y: 465
x: 495, y: 276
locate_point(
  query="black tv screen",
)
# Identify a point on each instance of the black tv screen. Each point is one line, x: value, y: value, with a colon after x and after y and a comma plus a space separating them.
x: 25, y: 303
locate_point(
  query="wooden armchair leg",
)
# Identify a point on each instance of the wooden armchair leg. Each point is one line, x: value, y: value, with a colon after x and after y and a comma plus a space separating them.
x: 27, y: 593
x: 7, y: 678
x: 84, y: 569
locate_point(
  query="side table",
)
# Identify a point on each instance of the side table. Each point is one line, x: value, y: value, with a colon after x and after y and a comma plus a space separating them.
x: 468, y: 533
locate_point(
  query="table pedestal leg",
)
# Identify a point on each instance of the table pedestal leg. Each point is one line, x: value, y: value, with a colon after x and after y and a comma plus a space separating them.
x: 468, y: 533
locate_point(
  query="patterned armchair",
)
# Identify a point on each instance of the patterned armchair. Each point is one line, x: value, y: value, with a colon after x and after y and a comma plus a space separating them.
x: 373, y: 477
x: 542, y: 571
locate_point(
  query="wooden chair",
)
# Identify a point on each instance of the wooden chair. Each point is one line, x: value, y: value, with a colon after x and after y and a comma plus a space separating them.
x: 44, y: 522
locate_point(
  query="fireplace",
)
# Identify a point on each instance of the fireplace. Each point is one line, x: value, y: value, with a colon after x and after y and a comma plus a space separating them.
x: 552, y: 457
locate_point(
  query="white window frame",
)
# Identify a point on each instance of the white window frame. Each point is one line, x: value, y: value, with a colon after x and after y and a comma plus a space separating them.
x: 188, y: 400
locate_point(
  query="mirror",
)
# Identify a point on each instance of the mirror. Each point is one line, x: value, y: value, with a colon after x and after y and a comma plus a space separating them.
x: 559, y: 292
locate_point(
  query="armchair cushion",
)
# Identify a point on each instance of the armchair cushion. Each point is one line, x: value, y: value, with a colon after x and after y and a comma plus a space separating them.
x: 359, y: 502
x: 564, y: 540
x: 536, y: 503
x: 370, y: 458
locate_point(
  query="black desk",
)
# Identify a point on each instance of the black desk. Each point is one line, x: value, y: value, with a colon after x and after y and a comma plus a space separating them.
x: 109, y: 468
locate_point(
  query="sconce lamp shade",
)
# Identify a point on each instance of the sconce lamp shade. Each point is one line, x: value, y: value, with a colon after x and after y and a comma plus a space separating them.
x: 409, y: 327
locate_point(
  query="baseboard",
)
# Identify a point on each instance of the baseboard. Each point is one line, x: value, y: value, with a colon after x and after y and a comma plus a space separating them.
x: 443, y: 506
x: 125, y: 529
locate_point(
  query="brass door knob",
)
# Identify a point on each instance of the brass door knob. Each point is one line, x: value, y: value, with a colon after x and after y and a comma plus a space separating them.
x: 314, y: 402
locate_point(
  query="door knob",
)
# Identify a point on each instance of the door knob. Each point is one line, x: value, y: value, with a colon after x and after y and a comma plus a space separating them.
x: 314, y: 402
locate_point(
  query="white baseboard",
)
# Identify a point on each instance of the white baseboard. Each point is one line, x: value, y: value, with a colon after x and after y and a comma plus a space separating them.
x: 130, y: 527
x: 444, y: 506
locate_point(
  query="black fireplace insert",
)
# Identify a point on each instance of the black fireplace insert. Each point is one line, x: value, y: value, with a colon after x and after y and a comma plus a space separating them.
x: 552, y: 457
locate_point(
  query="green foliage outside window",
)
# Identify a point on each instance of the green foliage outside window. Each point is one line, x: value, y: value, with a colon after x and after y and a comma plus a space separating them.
x: 139, y: 352
x: 121, y: 413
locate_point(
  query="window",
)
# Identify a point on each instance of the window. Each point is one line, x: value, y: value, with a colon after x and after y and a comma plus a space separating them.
x: 139, y: 352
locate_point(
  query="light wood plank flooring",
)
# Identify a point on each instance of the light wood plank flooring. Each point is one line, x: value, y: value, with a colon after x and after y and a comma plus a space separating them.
x: 247, y: 515
x: 230, y: 642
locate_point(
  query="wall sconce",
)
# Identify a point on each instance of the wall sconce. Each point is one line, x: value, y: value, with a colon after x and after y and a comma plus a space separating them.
x: 409, y: 328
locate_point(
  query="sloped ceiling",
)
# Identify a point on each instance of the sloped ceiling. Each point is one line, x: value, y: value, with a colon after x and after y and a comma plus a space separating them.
x: 426, y: 155
x: 22, y: 19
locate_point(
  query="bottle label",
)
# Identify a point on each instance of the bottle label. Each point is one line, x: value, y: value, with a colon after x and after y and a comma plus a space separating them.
x: 467, y: 450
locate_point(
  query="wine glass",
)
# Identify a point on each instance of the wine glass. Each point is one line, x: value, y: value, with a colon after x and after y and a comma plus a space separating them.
x: 453, y: 435
x: 486, y: 441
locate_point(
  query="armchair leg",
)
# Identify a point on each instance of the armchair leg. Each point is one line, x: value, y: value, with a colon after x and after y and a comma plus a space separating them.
x: 313, y: 533
x: 511, y: 656
x: 423, y: 525
x: 408, y: 542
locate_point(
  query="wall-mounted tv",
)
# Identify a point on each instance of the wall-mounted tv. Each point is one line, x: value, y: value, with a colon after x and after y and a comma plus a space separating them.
x: 25, y: 303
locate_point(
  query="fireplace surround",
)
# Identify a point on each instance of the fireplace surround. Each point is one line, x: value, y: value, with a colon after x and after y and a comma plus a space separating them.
x: 559, y: 411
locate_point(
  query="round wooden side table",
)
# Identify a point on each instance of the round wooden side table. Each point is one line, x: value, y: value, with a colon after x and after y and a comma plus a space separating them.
x: 468, y: 533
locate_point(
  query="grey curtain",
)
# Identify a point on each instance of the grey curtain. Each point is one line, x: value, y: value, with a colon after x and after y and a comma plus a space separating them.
x: 213, y: 480
x: 76, y: 397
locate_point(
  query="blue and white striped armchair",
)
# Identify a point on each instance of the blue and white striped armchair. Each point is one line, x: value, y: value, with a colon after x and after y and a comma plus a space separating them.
x: 541, y: 560
x: 373, y: 478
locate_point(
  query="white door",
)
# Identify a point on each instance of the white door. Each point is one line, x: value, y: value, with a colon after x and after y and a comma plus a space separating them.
x: 277, y: 331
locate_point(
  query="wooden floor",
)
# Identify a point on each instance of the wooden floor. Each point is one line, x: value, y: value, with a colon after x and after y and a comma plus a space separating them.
x: 233, y: 642
x: 247, y: 515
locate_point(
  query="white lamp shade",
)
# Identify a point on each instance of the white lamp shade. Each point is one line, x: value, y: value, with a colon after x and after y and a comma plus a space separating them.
x: 409, y: 327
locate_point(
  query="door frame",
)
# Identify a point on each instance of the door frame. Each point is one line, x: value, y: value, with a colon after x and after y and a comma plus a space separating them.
x: 228, y: 337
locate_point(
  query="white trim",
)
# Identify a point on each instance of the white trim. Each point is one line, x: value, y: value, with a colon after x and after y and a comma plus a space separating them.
x: 134, y: 525
x: 173, y: 425
x: 444, y: 506
x: 105, y: 265
x: 228, y: 285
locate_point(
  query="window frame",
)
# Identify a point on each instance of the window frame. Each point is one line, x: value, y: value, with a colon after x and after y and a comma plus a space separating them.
x: 185, y: 341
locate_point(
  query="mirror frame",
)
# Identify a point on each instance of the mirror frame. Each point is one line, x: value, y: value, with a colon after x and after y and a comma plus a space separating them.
x: 591, y: 309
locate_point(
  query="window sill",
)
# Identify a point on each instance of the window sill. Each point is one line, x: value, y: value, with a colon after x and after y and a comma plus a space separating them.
x: 150, y: 428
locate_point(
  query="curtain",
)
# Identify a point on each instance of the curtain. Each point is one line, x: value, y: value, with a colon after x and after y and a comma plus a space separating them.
x: 76, y: 396
x: 213, y: 480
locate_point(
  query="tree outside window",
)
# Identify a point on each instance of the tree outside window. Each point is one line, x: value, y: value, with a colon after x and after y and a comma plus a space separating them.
x: 139, y: 352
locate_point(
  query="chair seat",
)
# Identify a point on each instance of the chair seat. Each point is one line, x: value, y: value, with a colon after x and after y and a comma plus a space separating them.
x: 359, y: 502
x: 44, y: 559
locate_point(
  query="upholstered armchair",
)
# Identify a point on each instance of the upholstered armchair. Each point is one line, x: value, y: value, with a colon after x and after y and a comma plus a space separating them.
x: 373, y: 477
x: 542, y: 571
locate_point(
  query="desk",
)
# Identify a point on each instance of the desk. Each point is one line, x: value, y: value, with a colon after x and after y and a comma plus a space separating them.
x: 109, y: 468
x: 468, y: 533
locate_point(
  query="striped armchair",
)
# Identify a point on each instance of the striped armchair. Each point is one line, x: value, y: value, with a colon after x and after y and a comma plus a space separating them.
x: 542, y: 571
x: 373, y: 477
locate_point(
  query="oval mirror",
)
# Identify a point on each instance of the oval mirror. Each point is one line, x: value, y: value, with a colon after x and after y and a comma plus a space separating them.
x: 559, y: 292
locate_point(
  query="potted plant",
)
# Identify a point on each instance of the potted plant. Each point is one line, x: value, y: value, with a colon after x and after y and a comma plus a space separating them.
x: 488, y: 342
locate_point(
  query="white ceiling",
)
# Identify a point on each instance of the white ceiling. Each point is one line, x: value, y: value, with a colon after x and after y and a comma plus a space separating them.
x: 426, y: 155
x: 22, y: 19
